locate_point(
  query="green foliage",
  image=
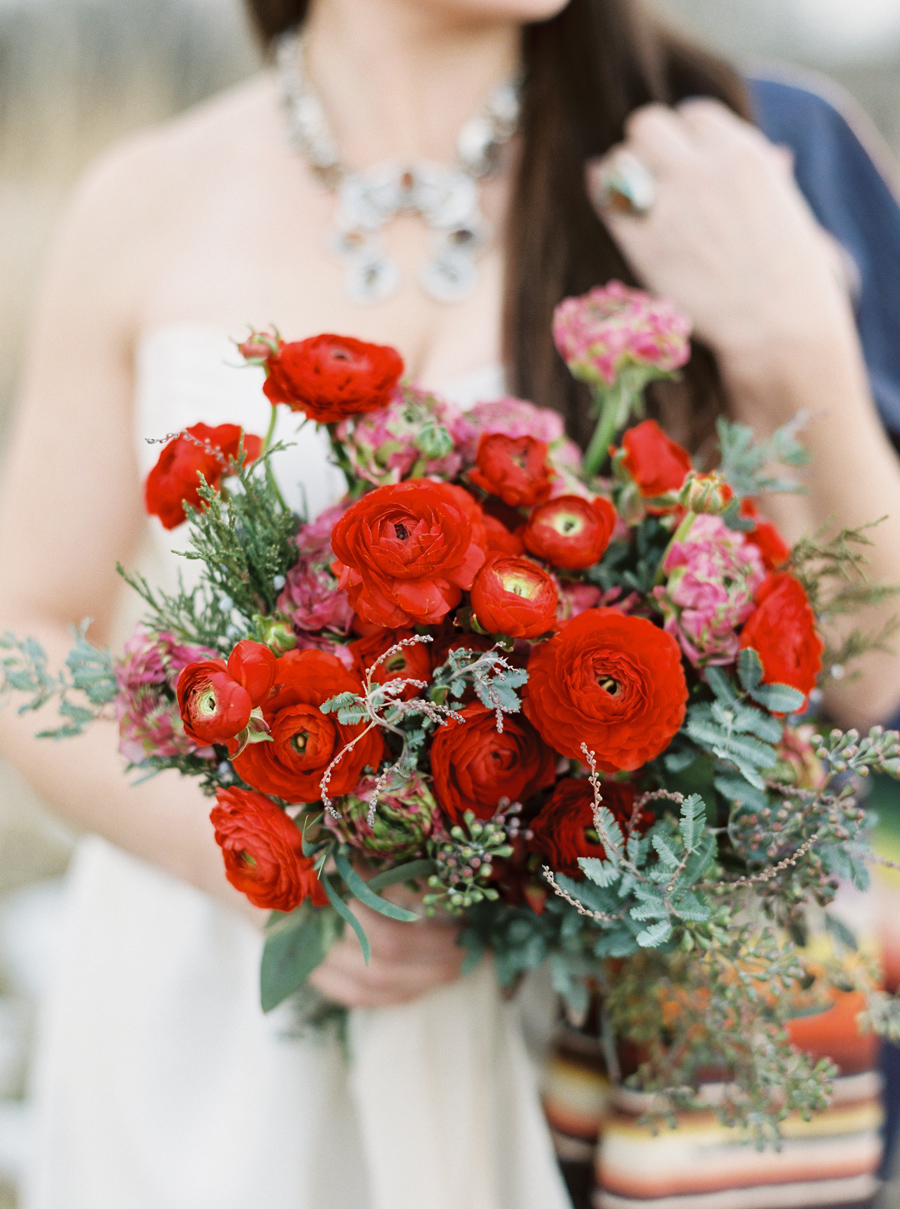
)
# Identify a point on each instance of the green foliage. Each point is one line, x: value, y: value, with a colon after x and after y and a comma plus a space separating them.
x: 245, y: 538
x: 723, y: 1008
x: 632, y: 566
x: 833, y: 574
x: 83, y: 687
x: 495, y: 680
x: 646, y: 885
x: 295, y: 945
x: 745, y: 462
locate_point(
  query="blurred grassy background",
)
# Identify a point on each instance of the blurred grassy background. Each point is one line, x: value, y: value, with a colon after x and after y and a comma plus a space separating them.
x: 75, y: 75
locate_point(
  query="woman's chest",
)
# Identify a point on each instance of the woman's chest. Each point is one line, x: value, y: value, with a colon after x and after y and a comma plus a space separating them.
x: 257, y: 247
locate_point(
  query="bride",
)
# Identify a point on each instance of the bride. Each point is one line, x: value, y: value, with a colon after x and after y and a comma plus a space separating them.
x: 600, y: 148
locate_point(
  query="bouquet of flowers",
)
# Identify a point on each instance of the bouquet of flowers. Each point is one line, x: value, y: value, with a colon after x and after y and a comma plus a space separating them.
x: 570, y: 710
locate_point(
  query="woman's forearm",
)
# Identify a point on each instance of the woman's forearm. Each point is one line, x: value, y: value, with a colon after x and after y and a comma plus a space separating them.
x: 853, y: 478
x: 164, y: 820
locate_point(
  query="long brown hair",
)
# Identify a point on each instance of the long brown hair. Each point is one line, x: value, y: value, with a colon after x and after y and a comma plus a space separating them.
x: 585, y: 71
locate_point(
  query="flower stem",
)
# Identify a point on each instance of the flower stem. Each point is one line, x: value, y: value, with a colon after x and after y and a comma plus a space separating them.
x: 271, y: 430
x: 355, y: 485
x: 609, y: 405
x: 678, y: 536
x: 267, y: 444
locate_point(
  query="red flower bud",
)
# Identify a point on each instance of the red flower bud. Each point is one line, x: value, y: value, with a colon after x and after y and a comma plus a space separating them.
x: 213, y: 706
x: 707, y: 493
x: 259, y: 346
x: 513, y: 468
x: 570, y: 531
x: 253, y: 666
x: 514, y: 596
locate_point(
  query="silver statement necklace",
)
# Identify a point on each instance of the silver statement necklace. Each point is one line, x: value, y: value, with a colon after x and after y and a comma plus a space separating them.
x: 445, y: 196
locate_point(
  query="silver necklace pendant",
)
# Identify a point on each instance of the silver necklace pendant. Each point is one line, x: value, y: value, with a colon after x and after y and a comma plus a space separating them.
x: 446, y: 197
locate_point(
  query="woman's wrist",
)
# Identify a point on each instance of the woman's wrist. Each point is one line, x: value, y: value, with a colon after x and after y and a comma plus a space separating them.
x: 812, y: 362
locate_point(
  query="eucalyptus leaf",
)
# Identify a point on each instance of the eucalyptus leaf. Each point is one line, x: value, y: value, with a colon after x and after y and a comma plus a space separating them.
x: 294, y: 947
x: 410, y: 872
x: 361, y: 890
x: 346, y: 914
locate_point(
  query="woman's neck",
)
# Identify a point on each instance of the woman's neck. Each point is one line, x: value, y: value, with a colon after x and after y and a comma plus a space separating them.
x: 398, y: 78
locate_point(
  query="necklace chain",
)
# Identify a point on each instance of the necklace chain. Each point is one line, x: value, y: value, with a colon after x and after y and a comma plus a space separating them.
x: 445, y: 196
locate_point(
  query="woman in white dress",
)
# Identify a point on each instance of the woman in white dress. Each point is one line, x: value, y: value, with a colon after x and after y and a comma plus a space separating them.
x: 161, y: 1084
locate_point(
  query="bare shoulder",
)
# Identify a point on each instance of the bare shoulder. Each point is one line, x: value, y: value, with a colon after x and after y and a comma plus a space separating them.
x: 163, y: 166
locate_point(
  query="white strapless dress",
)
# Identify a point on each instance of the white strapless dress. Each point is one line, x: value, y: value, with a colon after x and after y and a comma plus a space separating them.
x: 159, y: 1082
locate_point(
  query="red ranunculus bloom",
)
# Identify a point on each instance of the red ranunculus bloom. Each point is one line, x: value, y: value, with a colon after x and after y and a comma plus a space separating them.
x: 782, y: 631
x: 771, y: 545
x: 513, y: 468
x: 655, y: 462
x: 474, y: 767
x: 563, y: 831
x: 499, y: 539
x: 214, y: 707
x: 303, y: 741
x: 610, y: 681
x: 263, y: 852
x: 412, y: 662
x: 329, y: 378
x: 404, y: 553
x: 174, y: 482
x: 513, y: 596
x: 253, y: 665
x: 570, y: 531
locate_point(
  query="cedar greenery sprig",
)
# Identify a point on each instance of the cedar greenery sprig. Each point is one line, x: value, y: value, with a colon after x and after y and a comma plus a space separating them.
x: 245, y: 538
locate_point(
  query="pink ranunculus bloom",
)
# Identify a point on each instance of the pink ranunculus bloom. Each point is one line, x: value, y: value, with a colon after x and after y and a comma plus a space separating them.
x: 712, y: 578
x: 410, y: 438
x: 314, y: 538
x: 146, y: 709
x: 311, y: 598
x: 600, y: 333
x: 576, y: 597
x: 514, y: 418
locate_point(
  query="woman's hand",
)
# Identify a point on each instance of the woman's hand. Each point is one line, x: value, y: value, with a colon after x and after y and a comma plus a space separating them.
x: 407, y: 960
x: 729, y: 237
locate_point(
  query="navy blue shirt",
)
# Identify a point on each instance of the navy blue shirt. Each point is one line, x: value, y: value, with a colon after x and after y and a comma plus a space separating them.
x: 851, y: 198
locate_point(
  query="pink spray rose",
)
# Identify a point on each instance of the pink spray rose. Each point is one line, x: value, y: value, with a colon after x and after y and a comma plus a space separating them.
x: 611, y: 327
x: 409, y: 438
x: 146, y: 709
x: 712, y: 577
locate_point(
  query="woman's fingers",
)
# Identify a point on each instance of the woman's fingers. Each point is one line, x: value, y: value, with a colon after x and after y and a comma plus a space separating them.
x: 407, y: 960
x: 722, y: 228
